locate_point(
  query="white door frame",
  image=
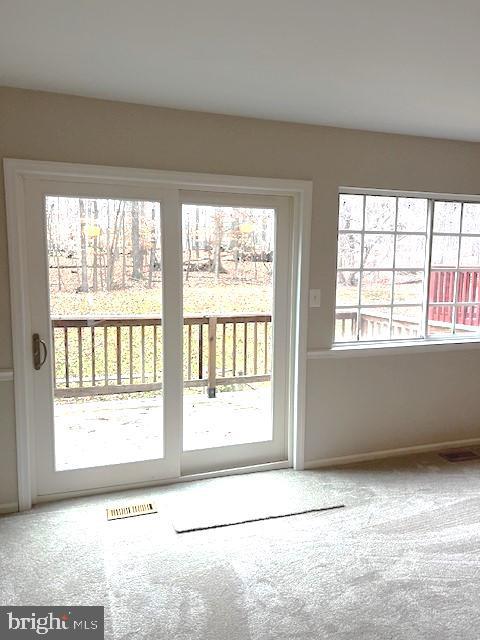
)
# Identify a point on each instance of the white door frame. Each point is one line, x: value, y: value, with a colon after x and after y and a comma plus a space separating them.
x: 15, y: 172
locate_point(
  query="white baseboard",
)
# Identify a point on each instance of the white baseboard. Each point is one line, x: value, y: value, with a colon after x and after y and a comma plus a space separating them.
x: 8, y: 507
x: 390, y: 453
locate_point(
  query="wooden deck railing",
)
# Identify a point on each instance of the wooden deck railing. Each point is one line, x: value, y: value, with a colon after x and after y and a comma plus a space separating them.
x: 104, y: 355
x: 371, y: 326
x: 467, y: 287
x: 402, y: 329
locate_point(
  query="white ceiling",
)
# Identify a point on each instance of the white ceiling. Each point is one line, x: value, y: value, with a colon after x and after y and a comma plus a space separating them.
x: 408, y: 66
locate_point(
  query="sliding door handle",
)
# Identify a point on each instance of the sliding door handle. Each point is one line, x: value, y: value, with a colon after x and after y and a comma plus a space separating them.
x: 37, y: 346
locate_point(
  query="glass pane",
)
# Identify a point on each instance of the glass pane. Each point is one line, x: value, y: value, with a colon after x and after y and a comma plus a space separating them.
x: 376, y: 287
x: 406, y: 323
x: 440, y: 320
x: 471, y: 218
x: 378, y: 251
x: 442, y: 286
x: 408, y: 287
x: 446, y: 217
x: 347, y: 287
x: 349, y: 247
x: 445, y: 251
x: 468, y: 289
x: 345, y: 325
x: 350, y: 212
x: 410, y: 252
x: 375, y: 323
x: 380, y: 213
x: 470, y: 252
x: 467, y: 321
x: 228, y: 274
x: 412, y: 214
x: 105, y: 272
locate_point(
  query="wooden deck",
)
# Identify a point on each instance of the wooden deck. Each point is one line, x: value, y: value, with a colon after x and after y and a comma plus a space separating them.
x: 92, y: 432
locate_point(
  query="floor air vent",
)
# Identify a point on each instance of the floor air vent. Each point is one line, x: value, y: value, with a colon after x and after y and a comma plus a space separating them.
x: 131, y: 510
x: 460, y: 455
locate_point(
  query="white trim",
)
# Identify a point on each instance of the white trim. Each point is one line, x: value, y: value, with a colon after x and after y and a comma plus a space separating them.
x: 255, y: 468
x: 390, y: 453
x: 21, y: 331
x: 172, y: 327
x: 6, y: 375
x: 174, y: 179
x: 300, y: 305
x: 390, y: 348
x: 9, y: 507
x: 15, y: 172
x: 400, y: 193
x: 268, y: 466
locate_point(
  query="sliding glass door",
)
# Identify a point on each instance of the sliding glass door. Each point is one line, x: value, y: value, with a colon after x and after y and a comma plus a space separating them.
x: 104, y: 329
x: 159, y: 329
x: 235, y: 300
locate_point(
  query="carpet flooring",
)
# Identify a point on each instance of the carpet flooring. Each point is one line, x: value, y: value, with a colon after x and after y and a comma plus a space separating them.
x: 243, y: 499
x: 400, y: 561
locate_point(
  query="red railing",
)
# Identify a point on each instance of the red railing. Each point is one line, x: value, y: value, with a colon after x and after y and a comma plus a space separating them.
x: 442, y: 286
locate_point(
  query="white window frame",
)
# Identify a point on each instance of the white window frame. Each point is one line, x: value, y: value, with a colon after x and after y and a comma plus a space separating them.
x: 423, y: 340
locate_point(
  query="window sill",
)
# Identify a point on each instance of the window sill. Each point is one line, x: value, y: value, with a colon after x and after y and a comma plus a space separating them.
x: 369, y: 349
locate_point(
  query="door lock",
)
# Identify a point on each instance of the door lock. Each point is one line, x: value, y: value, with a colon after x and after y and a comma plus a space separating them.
x: 37, y: 345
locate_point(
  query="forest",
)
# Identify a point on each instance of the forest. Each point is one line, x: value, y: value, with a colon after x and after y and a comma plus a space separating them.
x: 104, y: 246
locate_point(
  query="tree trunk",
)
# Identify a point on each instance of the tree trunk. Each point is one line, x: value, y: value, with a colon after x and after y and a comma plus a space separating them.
x: 124, y: 257
x: 83, y: 246
x: 95, y: 248
x: 236, y: 243
x: 254, y: 247
x: 217, y: 251
x: 189, y: 247
x: 153, y: 249
x: 137, y: 258
x: 113, y: 248
x: 54, y: 242
x: 197, y: 239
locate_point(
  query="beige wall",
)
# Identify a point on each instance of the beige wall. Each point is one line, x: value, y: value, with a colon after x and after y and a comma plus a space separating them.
x: 354, y: 406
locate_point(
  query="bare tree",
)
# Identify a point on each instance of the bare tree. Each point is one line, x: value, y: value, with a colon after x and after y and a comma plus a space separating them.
x: 95, y: 247
x: 124, y: 253
x: 54, y: 241
x: 217, y: 266
x: 112, y: 252
x: 189, y: 243
x: 137, y: 257
x: 197, y: 238
x: 83, y: 246
x: 236, y: 240
x: 153, y: 249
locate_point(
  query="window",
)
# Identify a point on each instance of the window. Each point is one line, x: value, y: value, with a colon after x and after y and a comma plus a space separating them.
x: 408, y: 268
